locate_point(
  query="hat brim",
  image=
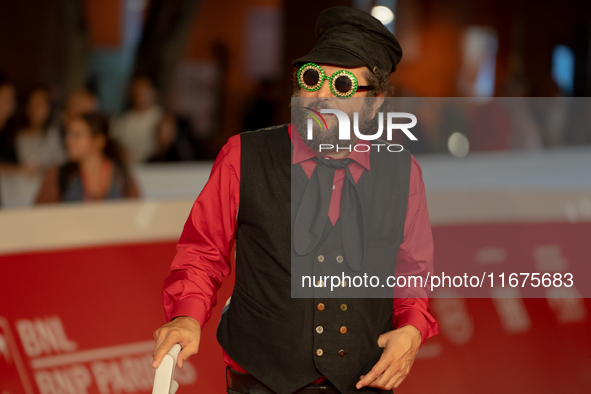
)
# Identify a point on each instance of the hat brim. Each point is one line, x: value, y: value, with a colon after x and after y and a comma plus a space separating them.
x: 335, y: 56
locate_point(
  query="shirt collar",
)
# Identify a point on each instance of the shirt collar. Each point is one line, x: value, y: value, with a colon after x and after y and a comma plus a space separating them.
x: 302, y: 153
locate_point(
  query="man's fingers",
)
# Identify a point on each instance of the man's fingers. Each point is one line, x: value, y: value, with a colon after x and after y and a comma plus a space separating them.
x: 385, y: 378
x: 158, y: 339
x: 183, y: 330
x: 397, y: 380
x: 373, y: 383
x: 161, y: 335
x: 185, y: 353
x: 161, y: 350
x: 402, y: 374
x: 372, y: 375
x: 382, y: 340
x: 394, y: 364
x: 396, y: 377
x: 390, y: 379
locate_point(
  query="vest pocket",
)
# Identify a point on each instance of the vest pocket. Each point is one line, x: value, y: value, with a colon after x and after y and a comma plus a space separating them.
x: 242, y: 302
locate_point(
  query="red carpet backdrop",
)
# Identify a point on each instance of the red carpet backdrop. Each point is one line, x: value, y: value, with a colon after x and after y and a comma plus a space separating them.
x: 79, y: 319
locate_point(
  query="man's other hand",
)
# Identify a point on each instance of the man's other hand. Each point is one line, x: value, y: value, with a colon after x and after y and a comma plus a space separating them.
x: 183, y: 330
x: 400, y: 348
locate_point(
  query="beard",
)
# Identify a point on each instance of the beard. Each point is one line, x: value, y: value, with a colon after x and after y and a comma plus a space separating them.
x: 330, y: 136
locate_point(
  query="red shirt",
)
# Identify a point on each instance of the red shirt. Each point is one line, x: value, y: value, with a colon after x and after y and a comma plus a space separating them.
x: 203, y: 251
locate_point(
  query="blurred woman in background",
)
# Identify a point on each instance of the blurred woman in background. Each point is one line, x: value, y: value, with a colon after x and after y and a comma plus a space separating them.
x: 38, y: 143
x: 136, y: 128
x: 95, y: 170
x: 174, y: 140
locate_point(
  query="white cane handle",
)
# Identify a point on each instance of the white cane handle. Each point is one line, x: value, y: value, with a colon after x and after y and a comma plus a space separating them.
x: 163, y: 379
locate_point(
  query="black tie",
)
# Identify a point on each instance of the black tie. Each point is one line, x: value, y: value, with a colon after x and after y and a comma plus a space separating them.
x: 313, y: 212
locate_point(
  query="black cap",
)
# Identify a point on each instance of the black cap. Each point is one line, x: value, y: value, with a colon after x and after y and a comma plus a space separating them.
x: 349, y: 37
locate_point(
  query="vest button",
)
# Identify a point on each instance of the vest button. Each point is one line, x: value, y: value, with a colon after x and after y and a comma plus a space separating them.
x: 341, y: 352
x: 344, y: 307
x: 333, y: 187
x: 319, y: 329
x: 320, y: 283
x: 319, y: 352
x: 339, y: 259
x: 320, y: 306
x: 343, y: 330
x: 321, y: 258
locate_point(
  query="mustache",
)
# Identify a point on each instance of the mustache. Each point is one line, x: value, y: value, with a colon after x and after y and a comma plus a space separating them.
x: 316, y: 104
x: 319, y: 105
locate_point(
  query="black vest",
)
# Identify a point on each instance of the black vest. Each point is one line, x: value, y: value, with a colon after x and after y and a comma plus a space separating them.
x: 273, y: 336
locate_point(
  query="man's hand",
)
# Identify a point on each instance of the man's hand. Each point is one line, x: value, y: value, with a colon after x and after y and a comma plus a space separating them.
x: 400, y: 348
x: 184, y: 330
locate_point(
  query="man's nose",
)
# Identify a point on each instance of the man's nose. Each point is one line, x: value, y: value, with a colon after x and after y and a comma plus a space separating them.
x: 324, y: 90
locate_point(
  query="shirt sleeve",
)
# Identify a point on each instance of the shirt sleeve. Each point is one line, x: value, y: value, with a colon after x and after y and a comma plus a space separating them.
x: 203, y: 251
x: 415, y: 257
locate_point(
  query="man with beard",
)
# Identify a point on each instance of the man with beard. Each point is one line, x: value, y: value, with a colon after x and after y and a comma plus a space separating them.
x: 325, y: 140
x: 289, y: 207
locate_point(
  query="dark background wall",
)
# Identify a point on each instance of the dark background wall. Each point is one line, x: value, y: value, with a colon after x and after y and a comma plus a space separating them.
x: 47, y: 42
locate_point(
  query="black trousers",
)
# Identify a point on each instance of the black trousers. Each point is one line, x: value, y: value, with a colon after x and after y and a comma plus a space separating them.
x: 240, y: 383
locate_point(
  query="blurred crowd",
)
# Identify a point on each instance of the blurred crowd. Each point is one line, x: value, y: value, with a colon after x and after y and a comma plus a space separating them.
x: 76, y: 153
x: 81, y: 154
x: 496, y: 123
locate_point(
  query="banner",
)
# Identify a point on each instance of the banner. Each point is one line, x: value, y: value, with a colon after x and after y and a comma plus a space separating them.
x: 80, y: 319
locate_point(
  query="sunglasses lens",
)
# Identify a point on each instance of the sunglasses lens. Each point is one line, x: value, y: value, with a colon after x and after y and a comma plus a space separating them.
x: 311, y: 77
x: 343, y: 84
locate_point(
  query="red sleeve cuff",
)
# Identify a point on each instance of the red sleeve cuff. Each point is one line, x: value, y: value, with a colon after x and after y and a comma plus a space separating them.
x: 191, y: 307
x: 416, y: 319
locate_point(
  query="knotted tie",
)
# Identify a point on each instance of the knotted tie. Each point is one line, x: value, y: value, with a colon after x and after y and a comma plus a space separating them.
x: 313, y: 212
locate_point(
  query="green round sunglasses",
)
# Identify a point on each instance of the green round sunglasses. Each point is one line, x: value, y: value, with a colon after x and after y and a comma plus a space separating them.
x: 343, y: 83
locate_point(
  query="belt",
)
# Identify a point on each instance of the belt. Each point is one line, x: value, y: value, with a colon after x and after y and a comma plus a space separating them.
x: 245, y: 383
